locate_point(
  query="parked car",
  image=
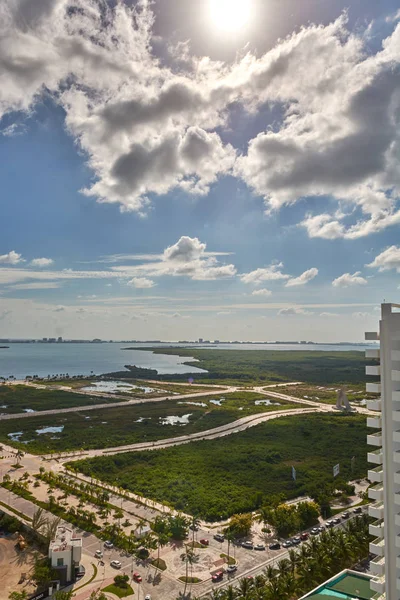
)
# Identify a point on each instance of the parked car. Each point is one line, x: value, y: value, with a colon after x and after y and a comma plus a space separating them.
x: 204, y: 542
x: 287, y: 544
x: 321, y: 528
x: 304, y: 536
x: 274, y: 546
x: 336, y: 520
x: 357, y: 510
x: 80, y: 572
x: 296, y: 541
x: 116, y: 564
x: 231, y: 568
x: 219, y: 537
x: 193, y: 527
x: 217, y: 576
x: 329, y: 524
x: 248, y: 545
x: 137, y: 577
x: 108, y: 545
x: 147, y: 597
x: 315, y: 531
x: 345, y: 515
x: 259, y: 547
x: 98, y: 554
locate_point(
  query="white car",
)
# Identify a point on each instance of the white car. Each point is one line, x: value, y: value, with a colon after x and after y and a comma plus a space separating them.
x: 148, y: 597
x: 231, y: 568
x: 108, y: 545
x: 116, y: 564
x: 98, y: 554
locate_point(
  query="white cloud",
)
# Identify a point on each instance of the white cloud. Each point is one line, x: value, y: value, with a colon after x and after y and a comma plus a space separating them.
x: 303, y: 278
x: 223, y: 313
x: 186, y: 249
x: 271, y: 273
x: 141, y: 282
x: 293, y: 310
x: 386, y: 260
x: 42, y: 262
x: 149, y: 126
x: 348, y: 280
x: 4, y: 314
x: 328, y: 315
x: 262, y: 292
x: 12, y: 258
x: 40, y: 285
x: 360, y: 315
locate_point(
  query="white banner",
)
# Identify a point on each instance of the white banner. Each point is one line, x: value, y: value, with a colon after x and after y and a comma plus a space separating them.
x: 336, y: 470
x: 293, y: 473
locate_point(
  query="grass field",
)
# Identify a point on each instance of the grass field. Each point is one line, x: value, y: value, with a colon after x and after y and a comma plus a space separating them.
x: 217, y: 478
x: 20, y: 398
x: 257, y: 366
x: 130, y: 424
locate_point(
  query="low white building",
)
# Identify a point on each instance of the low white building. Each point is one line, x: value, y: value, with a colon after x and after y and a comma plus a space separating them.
x: 65, y: 552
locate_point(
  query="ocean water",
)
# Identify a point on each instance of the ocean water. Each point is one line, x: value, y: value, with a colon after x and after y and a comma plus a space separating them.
x: 83, y: 359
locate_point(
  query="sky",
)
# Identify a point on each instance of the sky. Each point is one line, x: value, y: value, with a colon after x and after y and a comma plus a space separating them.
x: 180, y: 169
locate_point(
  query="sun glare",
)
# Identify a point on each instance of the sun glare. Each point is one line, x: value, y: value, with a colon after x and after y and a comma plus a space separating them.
x: 230, y: 15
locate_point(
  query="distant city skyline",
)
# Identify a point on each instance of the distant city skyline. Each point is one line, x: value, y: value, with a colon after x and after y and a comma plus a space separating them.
x: 184, y: 173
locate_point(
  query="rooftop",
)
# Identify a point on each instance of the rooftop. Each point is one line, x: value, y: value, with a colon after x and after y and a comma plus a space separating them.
x: 64, y: 540
x: 348, y: 585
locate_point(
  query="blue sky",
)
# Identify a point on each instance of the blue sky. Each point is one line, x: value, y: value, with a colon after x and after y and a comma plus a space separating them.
x: 196, y: 181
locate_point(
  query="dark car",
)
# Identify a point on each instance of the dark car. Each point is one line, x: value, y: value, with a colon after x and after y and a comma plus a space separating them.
x: 315, y: 531
x: 329, y: 524
x: 193, y: 527
x: 204, y: 542
x: 296, y: 541
x: 274, y: 546
x: 336, y: 520
x: 219, y: 537
x: 345, y: 515
x: 287, y: 544
x: 357, y: 510
x: 304, y: 536
x: 217, y: 576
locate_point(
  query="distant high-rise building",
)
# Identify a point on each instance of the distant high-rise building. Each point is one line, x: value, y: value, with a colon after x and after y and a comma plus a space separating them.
x: 386, y: 458
x: 200, y: 340
x: 59, y: 339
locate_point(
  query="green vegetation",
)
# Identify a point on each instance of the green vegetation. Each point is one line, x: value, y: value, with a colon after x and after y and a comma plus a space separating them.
x: 290, y: 518
x: 189, y: 579
x: 315, y: 562
x: 263, y: 366
x: 20, y: 398
x: 119, y: 591
x: 326, y: 394
x: 159, y: 563
x: 15, y: 511
x: 117, y: 426
x: 214, y: 479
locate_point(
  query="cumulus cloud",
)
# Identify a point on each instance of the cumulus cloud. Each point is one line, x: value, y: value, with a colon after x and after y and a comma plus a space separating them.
x: 303, y: 278
x: 12, y: 258
x: 271, y: 273
x: 141, y: 282
x: 149, y: 126
x: 262, y: 292
x: 42, y: 262
x: 386, y: 260
x: 293, y: 310
x: 348, y: 280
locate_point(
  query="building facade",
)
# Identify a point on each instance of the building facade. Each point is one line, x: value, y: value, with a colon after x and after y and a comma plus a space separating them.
x: 65, y: 552
x: 385, y: 474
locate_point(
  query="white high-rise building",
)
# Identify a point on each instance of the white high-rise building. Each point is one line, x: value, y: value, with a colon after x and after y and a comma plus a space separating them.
x: 385, y: 491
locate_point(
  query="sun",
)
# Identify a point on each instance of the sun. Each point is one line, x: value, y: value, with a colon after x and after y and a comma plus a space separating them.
x: 230, y: 15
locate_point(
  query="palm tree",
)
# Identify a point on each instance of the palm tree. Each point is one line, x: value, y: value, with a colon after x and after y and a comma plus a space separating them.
x: 187, y: 558
x: 51, y: 528
x: 194, y: 525
x: 19, y: 455
x: 39, y: 520
x: 229, y: 535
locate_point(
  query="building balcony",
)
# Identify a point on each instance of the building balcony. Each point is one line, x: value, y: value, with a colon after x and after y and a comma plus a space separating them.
x: 397, y: 519
x: 373, y: 388
x: 374, y: 404
x: 398, y: 562
x: 378, y: 585
x: 376, y: 457
x: 371, y: 336
x: 395, y: 355
x: 375, y: 353
x: 377, y: 567
x: 378, y: 597
x: 396, y: 477
x: 375, y: 439
x: 397, y: 499
x: 375, y: 475
x: 377, y: 547
x: 373, y: 370
x: 395, y: 375
x: 396, y: 436
x: 376, y: 492
x: 396, y: 415
x: 375, y: 422
x: 396, y: 396
x: 377, y: 528
x: 376, y: 510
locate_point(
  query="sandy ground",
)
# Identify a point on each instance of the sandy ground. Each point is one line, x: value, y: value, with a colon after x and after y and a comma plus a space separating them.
x: 13, y: 564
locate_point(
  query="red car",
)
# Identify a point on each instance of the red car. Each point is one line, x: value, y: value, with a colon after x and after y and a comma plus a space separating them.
x: 137, y: 577
x: 217, y: 576
x: 304, y: 536
x: 204, y: 542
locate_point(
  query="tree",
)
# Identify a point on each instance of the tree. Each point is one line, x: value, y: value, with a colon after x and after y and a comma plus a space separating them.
x: 39, y: 520
x: 18, y: 595
x: 308, y: 513
x: 195, y: 523
x: 97, y: 595
x: 240, y: 525
x: 42, y: 573
x: 61, y: 595
x: 19, y: 455
x: 188, y: 558
x: 51, y: 528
